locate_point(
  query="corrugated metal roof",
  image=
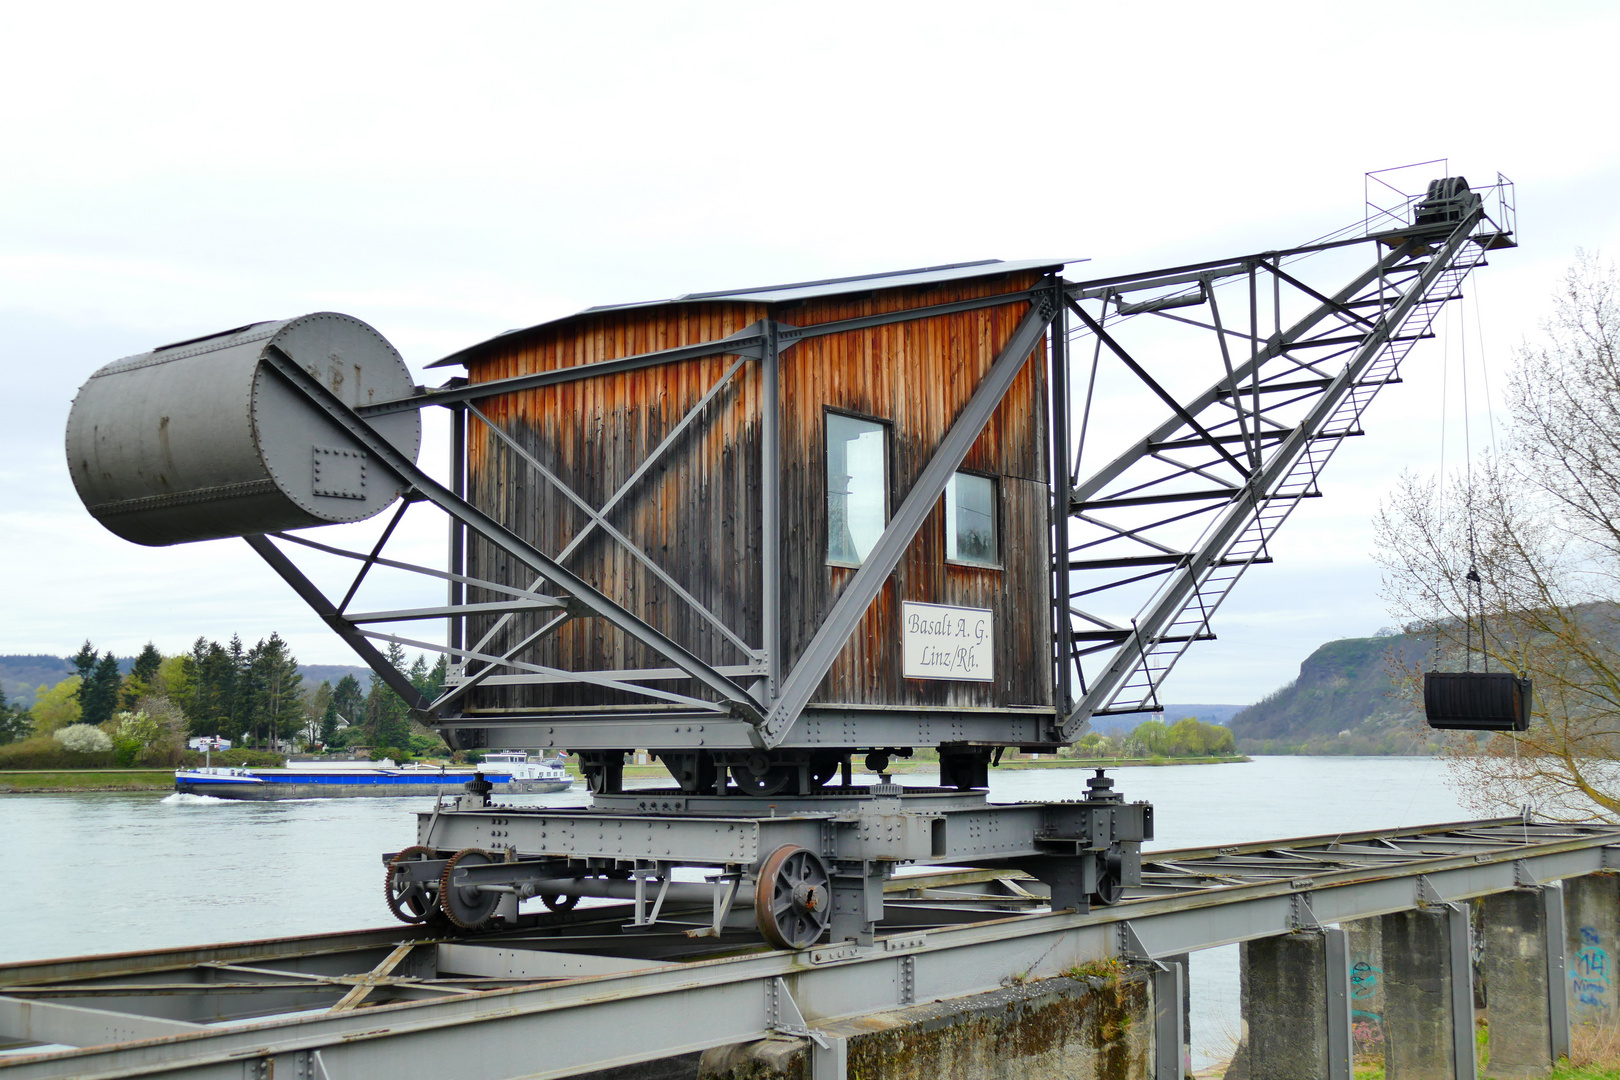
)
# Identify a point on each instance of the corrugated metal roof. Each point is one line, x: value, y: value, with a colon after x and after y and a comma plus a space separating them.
x: 795, y: 291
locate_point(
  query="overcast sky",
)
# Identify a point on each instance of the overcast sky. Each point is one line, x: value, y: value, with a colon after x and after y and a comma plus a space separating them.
x: 447, y: 172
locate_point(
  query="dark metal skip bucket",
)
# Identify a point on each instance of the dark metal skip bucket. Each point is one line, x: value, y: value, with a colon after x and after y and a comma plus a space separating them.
x: 1476, y: 701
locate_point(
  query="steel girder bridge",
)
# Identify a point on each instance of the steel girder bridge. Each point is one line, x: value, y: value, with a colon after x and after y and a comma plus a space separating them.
x: 564, y: 993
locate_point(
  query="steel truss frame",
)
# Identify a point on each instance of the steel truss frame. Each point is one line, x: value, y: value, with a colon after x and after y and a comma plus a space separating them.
x: 1189, y: 507
x: 1194, y: 503
x: 594, y: 993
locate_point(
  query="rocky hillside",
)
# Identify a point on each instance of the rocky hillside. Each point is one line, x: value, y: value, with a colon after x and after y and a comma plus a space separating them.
x: 1345, y: 701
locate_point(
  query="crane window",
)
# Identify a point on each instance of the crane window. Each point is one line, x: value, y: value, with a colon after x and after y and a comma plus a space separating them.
x: 857, y: 487
x: 970, y: 521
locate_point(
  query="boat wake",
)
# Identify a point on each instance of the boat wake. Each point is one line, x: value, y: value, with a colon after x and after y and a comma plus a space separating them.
x: 181, y: 798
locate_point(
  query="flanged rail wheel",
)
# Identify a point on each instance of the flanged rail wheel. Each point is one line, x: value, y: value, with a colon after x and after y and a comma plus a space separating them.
x: 411, y: 900
x: 793, y: 897
x: 762, y: 776
x: 1110, y: 886
x: 468, y: 906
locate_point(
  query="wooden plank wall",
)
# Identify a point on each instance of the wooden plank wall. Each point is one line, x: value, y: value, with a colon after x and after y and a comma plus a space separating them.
x: 918, y: 376
x: 698, y: 512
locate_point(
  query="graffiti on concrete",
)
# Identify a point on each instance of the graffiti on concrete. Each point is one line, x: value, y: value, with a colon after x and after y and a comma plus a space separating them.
x: 1591, y: 978
x: 1365, y: 987
x: 1366, y: 1010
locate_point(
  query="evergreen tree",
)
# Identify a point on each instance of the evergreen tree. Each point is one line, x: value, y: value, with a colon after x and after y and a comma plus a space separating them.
x: 242, y: 691
x: 99, y: 698
x: 428, y: 680
x: 15, y: 723
x: 347, y: 700
x: 142, y: 675
x: 84, y: 662
x: 213, y: 689
x: 322, y: 714
x: 274, y: 707
x: 387, y: 722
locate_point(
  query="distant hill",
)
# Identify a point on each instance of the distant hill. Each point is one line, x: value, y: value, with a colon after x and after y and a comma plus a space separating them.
x: 22, y: 676
x: 314, y: 673
x: 1344, y: 702
x: 1209, y: 714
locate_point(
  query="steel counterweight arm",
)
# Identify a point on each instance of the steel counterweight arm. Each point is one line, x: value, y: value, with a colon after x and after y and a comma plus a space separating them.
x: 1368, y: 324
x: 585, y: 598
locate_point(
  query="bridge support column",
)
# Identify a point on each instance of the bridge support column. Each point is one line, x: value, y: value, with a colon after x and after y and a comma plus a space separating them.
x: 1294, y: 994
x: 1592, y: 938
x: 1164, y: 1021
x: 1429, y: 994
x: 1366, y: 940
x: 1522, y: 967
x: 1073, y: 1028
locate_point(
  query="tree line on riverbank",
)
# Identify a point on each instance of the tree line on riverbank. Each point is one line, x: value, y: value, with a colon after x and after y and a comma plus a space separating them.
x: 255, y: 697
x: 1188, y: 737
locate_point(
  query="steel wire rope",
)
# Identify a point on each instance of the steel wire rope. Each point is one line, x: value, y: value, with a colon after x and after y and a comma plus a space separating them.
x: 1527, y: 808
x: 1484, y: 367
x: 1472, y: 585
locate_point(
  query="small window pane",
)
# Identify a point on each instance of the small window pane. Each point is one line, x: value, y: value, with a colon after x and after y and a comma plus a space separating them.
x: 970, y: 520
x: 857, y: 487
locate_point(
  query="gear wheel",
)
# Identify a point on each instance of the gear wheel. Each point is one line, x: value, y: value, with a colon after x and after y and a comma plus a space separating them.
x: 410, y: 901
x: 466, y: 905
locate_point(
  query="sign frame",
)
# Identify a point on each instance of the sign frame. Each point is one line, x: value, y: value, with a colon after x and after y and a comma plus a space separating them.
x: 944, y: 642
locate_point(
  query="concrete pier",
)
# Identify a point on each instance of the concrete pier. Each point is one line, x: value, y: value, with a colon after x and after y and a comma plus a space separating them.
x: 1296, y: 1017
x: 1523, y: 935
x: 1428, y: 994
x: 1068, y: 1028
x: 1592, y: 940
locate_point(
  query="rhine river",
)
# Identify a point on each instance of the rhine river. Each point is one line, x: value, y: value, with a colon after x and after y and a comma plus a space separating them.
x: 95, y: 873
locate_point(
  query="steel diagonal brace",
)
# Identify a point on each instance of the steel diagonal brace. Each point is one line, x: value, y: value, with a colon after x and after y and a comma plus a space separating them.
x: 885, y: 555
x: 1246, y: 503
x: 599, y: 521
x: 782, y: 1014
x: 584, y: 596
x: 329, y: 614
x: 745, y: 342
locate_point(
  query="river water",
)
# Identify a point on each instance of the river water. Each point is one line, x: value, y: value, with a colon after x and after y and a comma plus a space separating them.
x: 95, y: 873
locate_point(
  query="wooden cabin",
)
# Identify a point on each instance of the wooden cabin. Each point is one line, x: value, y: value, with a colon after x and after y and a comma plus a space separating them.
x: 861, y: 411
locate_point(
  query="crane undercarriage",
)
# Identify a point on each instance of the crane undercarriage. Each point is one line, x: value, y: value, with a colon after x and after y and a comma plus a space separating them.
x: 798, y: 869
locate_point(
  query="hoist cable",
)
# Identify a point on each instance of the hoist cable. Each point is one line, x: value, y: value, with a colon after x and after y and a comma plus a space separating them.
x: 1485, y: 369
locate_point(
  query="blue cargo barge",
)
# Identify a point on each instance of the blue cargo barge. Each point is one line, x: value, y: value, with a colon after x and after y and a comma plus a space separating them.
x: 510, y: 773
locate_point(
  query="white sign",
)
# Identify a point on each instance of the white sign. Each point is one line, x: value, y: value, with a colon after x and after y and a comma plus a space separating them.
x: 939, y: 642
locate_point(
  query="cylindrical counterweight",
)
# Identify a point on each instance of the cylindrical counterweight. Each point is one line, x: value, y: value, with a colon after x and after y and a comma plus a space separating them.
x: 200, y: 439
